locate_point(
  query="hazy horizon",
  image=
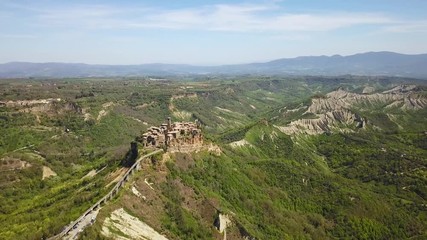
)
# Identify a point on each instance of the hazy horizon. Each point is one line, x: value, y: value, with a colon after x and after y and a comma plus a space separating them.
x: 206, y: 33
x: 205, y: 65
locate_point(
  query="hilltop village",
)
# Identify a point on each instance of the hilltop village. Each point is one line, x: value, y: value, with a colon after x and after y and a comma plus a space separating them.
x: 175, y: 136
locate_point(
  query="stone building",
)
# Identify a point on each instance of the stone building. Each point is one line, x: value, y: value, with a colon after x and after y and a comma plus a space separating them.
x: 173, y: 135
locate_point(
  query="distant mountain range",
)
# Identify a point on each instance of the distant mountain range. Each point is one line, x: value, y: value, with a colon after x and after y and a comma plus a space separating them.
x: 371, y: 63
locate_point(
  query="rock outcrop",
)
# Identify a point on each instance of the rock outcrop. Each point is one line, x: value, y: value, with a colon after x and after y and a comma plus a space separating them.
x: 12, y: 164
x: 48, y: 172
x: 50, y: 106
x: 122, y: 225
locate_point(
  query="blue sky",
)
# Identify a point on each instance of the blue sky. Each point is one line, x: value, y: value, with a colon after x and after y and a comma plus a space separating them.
x: 206, y: 32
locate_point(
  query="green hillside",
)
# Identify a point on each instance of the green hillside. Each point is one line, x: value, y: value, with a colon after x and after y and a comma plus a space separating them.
x: 338, y: 181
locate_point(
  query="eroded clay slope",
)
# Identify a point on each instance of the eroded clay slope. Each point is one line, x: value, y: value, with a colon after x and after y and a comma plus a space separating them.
x: 334, y: 111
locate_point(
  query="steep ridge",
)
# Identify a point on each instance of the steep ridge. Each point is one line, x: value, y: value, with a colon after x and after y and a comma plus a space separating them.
x: 335, y: 111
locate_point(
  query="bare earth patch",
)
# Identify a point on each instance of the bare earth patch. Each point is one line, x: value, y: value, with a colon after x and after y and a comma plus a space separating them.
x: 224, y: 222
x: 48, y: 172
x: 215, y: 149
x: 137, y: 193
x: 333, y: 111
x: 240, y: 143
x: 101, y: 114
x: 90, y: 174
x: 104, y: 111
x: 10, y: 164
x: 122, y: 225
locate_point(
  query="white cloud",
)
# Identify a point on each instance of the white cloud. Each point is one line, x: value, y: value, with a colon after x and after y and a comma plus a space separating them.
x: 308, y: 22
x: 18, y: 36
x: 255, y: 18
x: 405, y: 27
x: 221, y: 17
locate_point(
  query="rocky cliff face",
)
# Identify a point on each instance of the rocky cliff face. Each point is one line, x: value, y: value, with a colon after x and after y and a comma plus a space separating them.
x: 49, y: 106
x: 334, y: 112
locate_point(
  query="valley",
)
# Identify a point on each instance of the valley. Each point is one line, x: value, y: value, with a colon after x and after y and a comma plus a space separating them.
x: 277, y: 157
